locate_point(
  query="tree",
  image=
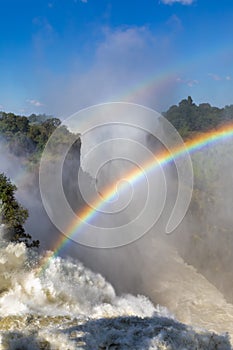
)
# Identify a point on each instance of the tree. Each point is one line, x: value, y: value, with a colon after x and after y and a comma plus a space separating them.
x: 190, y: 100
x: 13, y: 123
x: 187, y: 117
x: 12, y: 214
x: 38, y: 118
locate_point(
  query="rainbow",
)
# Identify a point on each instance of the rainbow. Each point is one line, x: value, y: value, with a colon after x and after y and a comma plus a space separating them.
x: 87, y: 213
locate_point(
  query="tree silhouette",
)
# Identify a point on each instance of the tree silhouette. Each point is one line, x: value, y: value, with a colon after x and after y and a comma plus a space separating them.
x: 12, y: 214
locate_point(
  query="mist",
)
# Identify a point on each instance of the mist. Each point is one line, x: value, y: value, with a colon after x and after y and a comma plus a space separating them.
x: 163, y: 267
x: 38, y: 224
x: 188, y: 271
x: 194, y: 264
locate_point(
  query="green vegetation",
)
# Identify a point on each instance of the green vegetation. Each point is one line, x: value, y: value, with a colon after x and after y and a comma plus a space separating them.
x: 188, y: 118
x: 26, y: 137
x: 13, y: 215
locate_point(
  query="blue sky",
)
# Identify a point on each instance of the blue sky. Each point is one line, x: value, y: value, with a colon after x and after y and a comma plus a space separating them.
x: 57, y: 56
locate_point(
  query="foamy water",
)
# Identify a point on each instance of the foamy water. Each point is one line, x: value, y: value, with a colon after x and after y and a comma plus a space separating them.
x: 67, y: 306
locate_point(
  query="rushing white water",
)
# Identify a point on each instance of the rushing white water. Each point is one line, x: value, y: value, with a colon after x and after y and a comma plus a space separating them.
x: 69, y: 307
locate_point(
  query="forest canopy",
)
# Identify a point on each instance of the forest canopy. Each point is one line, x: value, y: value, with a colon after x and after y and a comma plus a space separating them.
x: 187, y: 117
x: 27, y: 136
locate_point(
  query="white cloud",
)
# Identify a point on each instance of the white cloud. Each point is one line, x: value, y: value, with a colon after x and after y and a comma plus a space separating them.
x: 183, y: 2
x: 214, y: 76
x: 175, y: 23
x: 35, y: 103
x: 1, y: 106
x: 22, y: 110
x: 192, y: 83
x: 217, y: 77
x: 188, y: 82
